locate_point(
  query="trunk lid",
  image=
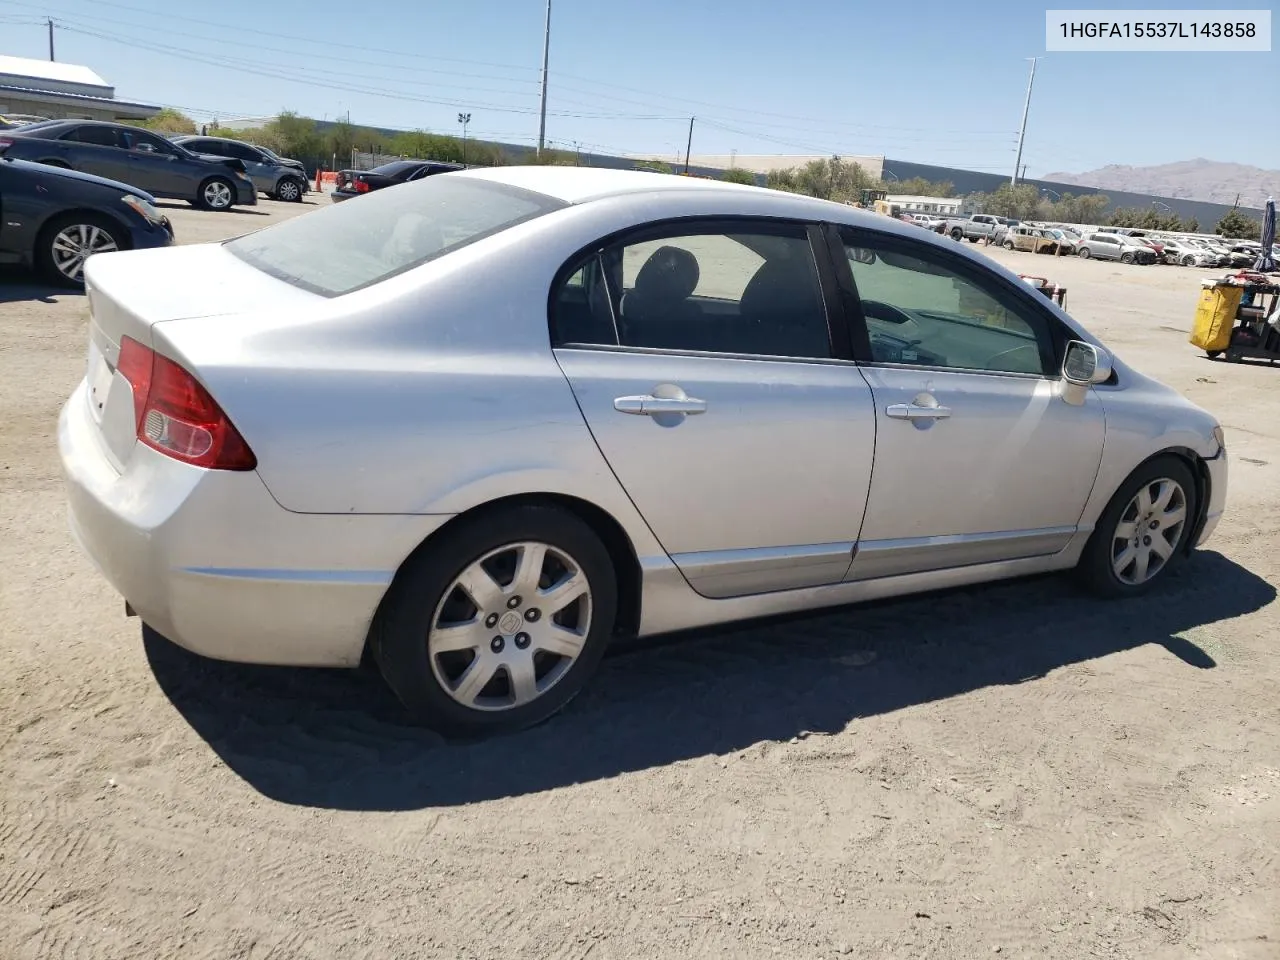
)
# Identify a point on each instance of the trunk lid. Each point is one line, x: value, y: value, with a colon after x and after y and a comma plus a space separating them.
x: 130, y: 292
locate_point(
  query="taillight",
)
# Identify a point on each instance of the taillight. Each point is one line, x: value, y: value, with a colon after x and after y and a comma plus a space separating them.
x: 175, y: 414
x: 362, y: 186
x: 5, y: 143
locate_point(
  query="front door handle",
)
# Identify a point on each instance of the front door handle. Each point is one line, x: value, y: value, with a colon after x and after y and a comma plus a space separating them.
x: 647, y: 405
x: 912, y: 411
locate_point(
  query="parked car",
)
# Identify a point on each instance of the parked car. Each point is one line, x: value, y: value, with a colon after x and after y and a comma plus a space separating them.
x: 54, y: 220
x: 975, y: 227
x: 441, y: 426
x: 1153, y: 242
x: 1215, y: 256
x: 1115, y: 246
x: 353, y: 183
x: 1181, y: 252
x: 1244, y: 254
x: 134, y: 156
x: 274, y: 178
x: 1037, y: 240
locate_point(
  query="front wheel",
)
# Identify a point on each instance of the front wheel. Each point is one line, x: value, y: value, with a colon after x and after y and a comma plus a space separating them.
x: 957, y: 234
x: 216, y: 194
x: 67, y: 242
x: 1008, y: 244
x: 499, y: 623
x: 1143, y: 533
x: 1126, y: 258
x: 290, y: 191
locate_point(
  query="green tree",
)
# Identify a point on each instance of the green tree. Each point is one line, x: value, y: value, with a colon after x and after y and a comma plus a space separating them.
x: 1236, y: 226
x: 169, y: 120
x: 655, y: 166
x: 738, y: 175
x: 920, y: 187
x: 1021, y: 202
x: 1192, y: 226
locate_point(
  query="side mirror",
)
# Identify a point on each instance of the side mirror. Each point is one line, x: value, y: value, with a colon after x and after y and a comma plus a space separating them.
x: 1083, y: 366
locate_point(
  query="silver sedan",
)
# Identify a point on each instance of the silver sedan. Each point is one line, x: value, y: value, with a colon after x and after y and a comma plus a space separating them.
x: 480, y: 425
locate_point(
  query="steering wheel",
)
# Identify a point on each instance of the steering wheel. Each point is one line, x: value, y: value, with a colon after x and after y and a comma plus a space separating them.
x: 877, y: 310
x: 998, y: 362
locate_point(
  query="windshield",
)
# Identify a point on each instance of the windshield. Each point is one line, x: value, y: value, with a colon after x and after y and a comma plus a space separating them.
x: 351, y: 245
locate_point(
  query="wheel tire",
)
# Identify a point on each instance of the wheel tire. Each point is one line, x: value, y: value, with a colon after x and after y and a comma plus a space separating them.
x: 1008, y: 244
x: 290, y: 191
x: 1188, y: 261
x: 1097, y: 567
x: 957, y: 234
x: 210, y: 197
x: 974, y: 239
x: 1126, y: 258
x: 49, y: 253
x: 1083, y: 253
x: 1214, y: 354
x: 417, y: 598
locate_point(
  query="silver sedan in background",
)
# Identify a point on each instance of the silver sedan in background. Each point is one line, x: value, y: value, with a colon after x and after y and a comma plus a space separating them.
x: 479, y: 425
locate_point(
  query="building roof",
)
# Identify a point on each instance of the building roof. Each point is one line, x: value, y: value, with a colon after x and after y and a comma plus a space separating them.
x: 123, y: 108
x: 28, y: 69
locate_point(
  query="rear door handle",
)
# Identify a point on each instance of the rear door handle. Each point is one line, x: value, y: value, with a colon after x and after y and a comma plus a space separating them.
x: 647, y: 405
x: 911, y: 411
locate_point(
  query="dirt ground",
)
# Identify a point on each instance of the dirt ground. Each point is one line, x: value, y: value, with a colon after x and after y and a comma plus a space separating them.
x: 1016, y: 770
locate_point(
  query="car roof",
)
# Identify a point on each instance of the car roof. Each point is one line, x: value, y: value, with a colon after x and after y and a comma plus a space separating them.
x: 577, y: 185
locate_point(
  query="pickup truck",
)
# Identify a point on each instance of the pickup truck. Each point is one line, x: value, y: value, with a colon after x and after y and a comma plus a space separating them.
x: 975, y: 227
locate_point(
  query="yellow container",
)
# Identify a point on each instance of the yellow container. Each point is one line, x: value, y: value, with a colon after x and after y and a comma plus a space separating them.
x: 1215, y: 318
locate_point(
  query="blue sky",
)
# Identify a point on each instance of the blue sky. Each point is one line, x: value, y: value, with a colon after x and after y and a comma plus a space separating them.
x: 932, y: 82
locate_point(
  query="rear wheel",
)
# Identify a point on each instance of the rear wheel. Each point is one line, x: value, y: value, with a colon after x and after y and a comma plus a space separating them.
x: 957, y: 234
x: 216, y: 194
x: 1142, y: 534
x: 67, y: 242
x: 499, y: 623
x: 1083, y: 253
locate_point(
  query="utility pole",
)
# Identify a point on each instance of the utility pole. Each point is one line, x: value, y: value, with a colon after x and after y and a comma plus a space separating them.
x: 546, y: 53
x: 51, y: 39
x: 1023, y: 131
x: 688, y: 145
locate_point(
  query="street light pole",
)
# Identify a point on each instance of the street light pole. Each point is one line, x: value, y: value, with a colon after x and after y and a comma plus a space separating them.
x: 546, y: 53
x: 688, y: 146
x: 464, y: 119
x: 1022, y: 132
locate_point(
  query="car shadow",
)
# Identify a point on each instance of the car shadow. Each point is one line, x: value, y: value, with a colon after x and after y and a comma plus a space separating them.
x: 183, y: 205
x: 337, y: 739
x: 18, y: 285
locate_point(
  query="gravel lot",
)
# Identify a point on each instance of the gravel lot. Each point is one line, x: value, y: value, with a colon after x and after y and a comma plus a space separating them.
x: 1016, y: 770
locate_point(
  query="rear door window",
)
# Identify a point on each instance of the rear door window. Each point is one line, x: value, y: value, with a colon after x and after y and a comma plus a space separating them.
x: 98, y: 136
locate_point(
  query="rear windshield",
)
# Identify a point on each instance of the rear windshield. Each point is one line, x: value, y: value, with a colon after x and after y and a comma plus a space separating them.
x: 396, y: 166
x: 370, y: 238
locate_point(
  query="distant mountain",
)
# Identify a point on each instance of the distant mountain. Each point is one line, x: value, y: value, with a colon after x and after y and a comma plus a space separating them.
x: 1198, y: 179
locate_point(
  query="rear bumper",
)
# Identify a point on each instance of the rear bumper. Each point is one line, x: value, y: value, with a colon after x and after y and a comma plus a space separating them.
x: 210, y: 560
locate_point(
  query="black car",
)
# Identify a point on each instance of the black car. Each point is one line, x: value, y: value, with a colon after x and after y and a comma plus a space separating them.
x: 135, y: 156
x: 53, y: 219
x: 352, y: 183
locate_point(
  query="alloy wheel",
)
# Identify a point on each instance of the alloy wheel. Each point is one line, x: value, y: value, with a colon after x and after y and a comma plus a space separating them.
x: 288, y: 191
x: 1149, y: 531
x: 75, y: 243
x: 510, y: 626
x: 217, y: 195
